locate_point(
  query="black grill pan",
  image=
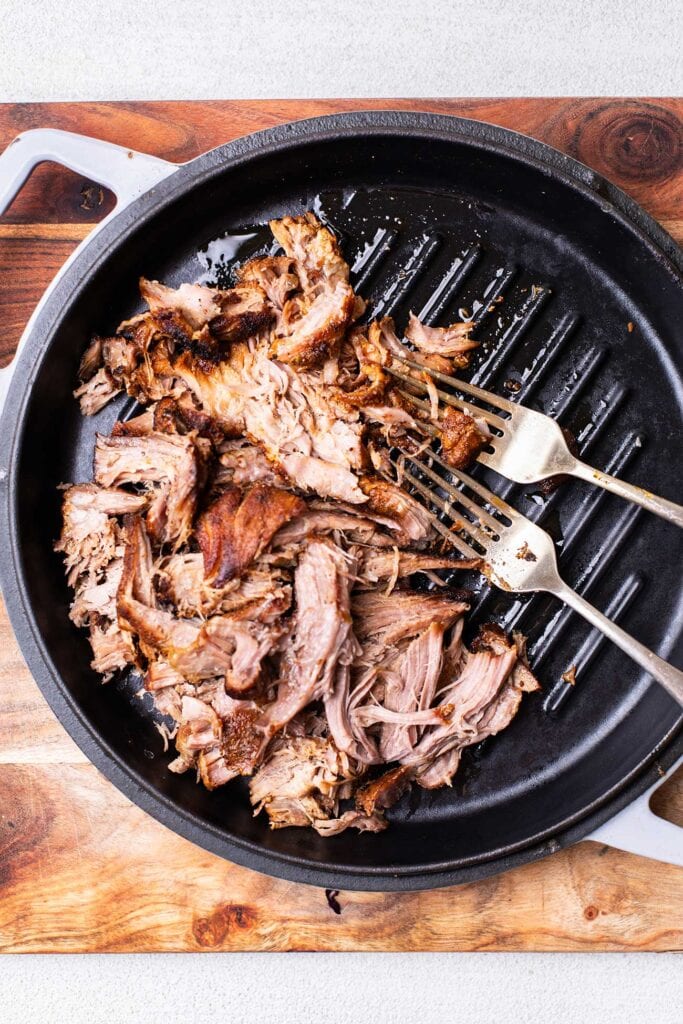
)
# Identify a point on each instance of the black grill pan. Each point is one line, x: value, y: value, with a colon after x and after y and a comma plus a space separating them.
x: 577, y: 295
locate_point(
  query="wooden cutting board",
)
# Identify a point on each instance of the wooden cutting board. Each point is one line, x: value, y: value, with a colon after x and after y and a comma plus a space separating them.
x: 81, y: 868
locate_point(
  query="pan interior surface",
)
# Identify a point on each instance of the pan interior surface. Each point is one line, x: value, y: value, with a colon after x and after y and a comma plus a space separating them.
x: 576, y: 315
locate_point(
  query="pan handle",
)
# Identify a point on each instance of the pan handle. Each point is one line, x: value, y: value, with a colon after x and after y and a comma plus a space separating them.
x: 126, y: 172
x: 638, y: 830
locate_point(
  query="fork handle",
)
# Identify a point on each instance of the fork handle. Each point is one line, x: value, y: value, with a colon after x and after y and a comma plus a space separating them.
x: 660, y: 506
x: 666, y: 675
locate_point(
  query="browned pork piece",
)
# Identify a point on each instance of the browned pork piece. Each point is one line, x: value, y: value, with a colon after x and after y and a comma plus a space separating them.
x: 383, y: 344
x: 358, y: 529
x: 453, y: 341
x: 140, y: 425
x: 392, y: 505
x: 97, y: 384
x: 244, y: 738
x: 491, y: 637
x: 294, y: 420
x: 218, y: 734
x: 92, y: 545
x: 384, y: 791
x: 94, y: 393
x: 243, y: 463
x: 239, y: 525
x: 326, y: 478
x: 306, y: 339
x: 314, y: 248
x: 95, y: 593
x: 172, y: 464
x: 360, y: 380
x: 299, y: 781
x: 230, y: 315
x: 220, y: 646
x: 137, y: 356
x: 245, y: 312
x: 200, y: 729
x: 112, y: 649
x: 199, y: 743
x: 462, y: 438
x: 160, y: 675
x: 387, y: 506
x: 351, y: 819
x: 175, y: 415
x: 311, y: 324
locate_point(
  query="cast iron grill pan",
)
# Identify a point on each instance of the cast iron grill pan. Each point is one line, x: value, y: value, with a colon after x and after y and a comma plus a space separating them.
x: 577, y: 313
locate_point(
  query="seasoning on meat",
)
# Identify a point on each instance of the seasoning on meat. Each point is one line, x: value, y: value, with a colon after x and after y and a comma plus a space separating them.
x: 239, y: 525
x: 385, y: 791
x: 461, y: 438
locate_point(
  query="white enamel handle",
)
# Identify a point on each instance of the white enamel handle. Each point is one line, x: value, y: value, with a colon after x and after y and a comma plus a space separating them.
x: 126, y: 172
x: 637, y: 830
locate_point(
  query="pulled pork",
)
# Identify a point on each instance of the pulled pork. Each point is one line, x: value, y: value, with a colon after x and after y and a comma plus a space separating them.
x: 243, y: 550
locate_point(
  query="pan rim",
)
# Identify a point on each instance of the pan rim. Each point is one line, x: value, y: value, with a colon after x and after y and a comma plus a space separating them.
x: 133, y: 218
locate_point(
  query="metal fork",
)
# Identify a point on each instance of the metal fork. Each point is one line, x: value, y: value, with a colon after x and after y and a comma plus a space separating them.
x: 517, y: 554
x: 526, y: 445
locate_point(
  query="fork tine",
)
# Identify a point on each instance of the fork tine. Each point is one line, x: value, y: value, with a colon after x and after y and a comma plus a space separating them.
x: 454, y: 538
x: 455, y: 382
x: 487, y: 459
x: 419, y: 402
x: 457, y: 403
x: 484, y: 517
x: 485, y: 493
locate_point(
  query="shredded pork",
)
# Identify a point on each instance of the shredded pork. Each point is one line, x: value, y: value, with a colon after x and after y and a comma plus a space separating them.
x: 245, y: 550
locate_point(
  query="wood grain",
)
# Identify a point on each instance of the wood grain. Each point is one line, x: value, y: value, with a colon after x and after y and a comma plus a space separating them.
x: 81, y: 868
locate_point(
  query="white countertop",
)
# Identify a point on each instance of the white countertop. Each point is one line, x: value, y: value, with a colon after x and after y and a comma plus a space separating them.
x: 343, y: 988
x: 125, y: 49
x: 183, y: 49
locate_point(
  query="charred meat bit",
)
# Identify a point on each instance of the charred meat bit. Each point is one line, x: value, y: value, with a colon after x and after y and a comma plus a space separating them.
x: 385, y: 791
x: 308, y: 338
x: 245, y: 311
x: 461, y: 438
x: 239, y: 525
